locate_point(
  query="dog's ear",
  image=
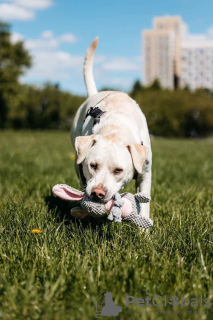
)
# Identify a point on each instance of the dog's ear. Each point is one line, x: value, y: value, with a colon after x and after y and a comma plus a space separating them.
x: 138, y: 154
x: 82, y: 146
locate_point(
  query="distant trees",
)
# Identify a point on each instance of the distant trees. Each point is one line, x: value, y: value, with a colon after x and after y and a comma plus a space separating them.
x: 43, y: 108
x: 24, y: 106
x: 137, y: 87
x: 14, y: 59
x: 179, y: 113
x: 156, y: 85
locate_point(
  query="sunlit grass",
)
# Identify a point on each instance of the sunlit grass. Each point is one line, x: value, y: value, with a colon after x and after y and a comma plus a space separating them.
x: 55, y: 273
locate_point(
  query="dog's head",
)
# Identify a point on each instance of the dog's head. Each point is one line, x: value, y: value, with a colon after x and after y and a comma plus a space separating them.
x: 108, y: 164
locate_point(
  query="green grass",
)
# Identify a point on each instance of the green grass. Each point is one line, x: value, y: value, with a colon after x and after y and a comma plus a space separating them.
x: 56, y: 274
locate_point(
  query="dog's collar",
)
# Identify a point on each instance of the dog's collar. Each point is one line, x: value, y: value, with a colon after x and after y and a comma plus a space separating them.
x: 96, y: 112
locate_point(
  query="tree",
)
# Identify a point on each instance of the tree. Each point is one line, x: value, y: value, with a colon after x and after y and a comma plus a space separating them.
x: 14, y: 59
x: 137, y: 87
x: 156, y: 85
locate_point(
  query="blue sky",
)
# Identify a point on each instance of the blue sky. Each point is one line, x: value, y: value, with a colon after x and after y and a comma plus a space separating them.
x: 58, y: 32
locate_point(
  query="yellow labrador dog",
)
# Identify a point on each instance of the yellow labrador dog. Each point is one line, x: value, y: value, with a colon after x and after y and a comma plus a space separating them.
x: 111, y: 140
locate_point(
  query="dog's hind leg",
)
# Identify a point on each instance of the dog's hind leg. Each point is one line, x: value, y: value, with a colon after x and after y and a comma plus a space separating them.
x: 143, y: 184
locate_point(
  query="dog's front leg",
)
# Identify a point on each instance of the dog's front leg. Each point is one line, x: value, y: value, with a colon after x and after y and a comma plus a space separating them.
x: 143, y: 184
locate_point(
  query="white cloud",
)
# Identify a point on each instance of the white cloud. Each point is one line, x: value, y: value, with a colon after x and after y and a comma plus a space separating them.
x: 121, y: 82
x: 68, y: 38
x: 33, y: 4
x: 197, y: 37
x: 53, y: 64
x: 42, y: 44
x: 210, y: 32
x: 15, y: 37
x: 22, y: 9
x: 99, y: 59
x: 47, y: 34
x: 50, y: 63
x: 138, y: 59
x: 14, y: 12
x: 120, y: 64
x: 48, y: 41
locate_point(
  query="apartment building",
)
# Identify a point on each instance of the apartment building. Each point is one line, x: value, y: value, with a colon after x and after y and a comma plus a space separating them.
x: 159, y: 55
x: 197, y: 64
x: 174, y: 59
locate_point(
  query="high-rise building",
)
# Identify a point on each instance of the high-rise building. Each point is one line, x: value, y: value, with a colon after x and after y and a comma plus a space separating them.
x: 179, y: 28
x: 173, y: 59
x: 161, y: 51
x: 159, y: 56
x: 197, y: 64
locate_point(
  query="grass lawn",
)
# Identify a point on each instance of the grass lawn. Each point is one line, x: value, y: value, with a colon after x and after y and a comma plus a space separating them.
x: 56, y: 274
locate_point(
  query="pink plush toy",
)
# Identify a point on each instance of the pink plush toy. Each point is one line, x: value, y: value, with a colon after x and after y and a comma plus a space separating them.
x: 124, y: 207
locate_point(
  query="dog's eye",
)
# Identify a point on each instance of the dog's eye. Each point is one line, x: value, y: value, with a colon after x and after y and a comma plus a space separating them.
x: 94, y: 166
x: 118, y: 170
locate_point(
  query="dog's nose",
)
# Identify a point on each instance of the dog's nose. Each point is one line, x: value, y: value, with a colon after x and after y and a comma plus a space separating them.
x: 98, y: 193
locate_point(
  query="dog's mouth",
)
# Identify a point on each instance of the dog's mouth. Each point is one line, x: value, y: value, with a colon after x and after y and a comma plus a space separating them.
x: 96, y: 199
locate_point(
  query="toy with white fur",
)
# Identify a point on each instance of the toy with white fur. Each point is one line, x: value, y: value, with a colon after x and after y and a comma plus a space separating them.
x: 123, y: 207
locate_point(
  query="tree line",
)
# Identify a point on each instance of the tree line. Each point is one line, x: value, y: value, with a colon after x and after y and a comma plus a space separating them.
x: 179, y: 113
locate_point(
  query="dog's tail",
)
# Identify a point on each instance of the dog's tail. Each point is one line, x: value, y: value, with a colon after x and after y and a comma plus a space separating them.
x: 88, y: 72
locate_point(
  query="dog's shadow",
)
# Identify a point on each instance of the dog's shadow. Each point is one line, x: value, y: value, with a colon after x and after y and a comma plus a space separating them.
x: 60, y: 209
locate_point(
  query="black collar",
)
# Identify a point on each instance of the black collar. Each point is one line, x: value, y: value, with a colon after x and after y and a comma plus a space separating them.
x: 95, y: 113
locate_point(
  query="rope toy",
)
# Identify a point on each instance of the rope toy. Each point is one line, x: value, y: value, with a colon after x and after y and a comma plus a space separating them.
x: 122, y: 207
